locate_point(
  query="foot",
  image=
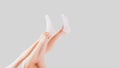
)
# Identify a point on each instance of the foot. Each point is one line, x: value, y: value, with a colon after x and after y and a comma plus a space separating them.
x: 66, y: 27
x: 49, y: 27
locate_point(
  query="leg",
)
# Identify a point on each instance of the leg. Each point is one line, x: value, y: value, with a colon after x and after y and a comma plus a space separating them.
x: 41, y: 52
x: 38, y: 52
x: 41, y: 47
x: 46, y: 48
x: 23, y: 56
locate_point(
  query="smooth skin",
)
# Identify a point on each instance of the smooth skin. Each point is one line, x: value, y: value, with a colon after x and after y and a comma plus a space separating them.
x: 38, y: 59
x: 34, y: 56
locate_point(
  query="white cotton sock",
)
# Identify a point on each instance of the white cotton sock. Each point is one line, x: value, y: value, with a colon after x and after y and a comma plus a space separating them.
x: 49, y: 27
x: 66, y: 26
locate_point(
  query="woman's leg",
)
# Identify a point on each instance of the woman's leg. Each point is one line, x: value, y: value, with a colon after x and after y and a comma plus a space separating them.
x: 28, y: 51
x: 23, y: 56
x: 41, y: 48
x: 38, y: 52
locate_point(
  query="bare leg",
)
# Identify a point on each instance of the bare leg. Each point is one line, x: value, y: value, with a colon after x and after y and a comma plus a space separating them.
x: 23, y: 56
x: 39, y: 51
x: 37, y: 54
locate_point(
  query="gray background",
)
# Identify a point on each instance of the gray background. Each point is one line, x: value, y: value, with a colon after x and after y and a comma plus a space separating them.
x: 93, y: 42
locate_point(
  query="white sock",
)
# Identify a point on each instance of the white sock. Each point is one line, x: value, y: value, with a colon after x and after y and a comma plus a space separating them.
x: 49, y: 27
x: 66, y: 26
